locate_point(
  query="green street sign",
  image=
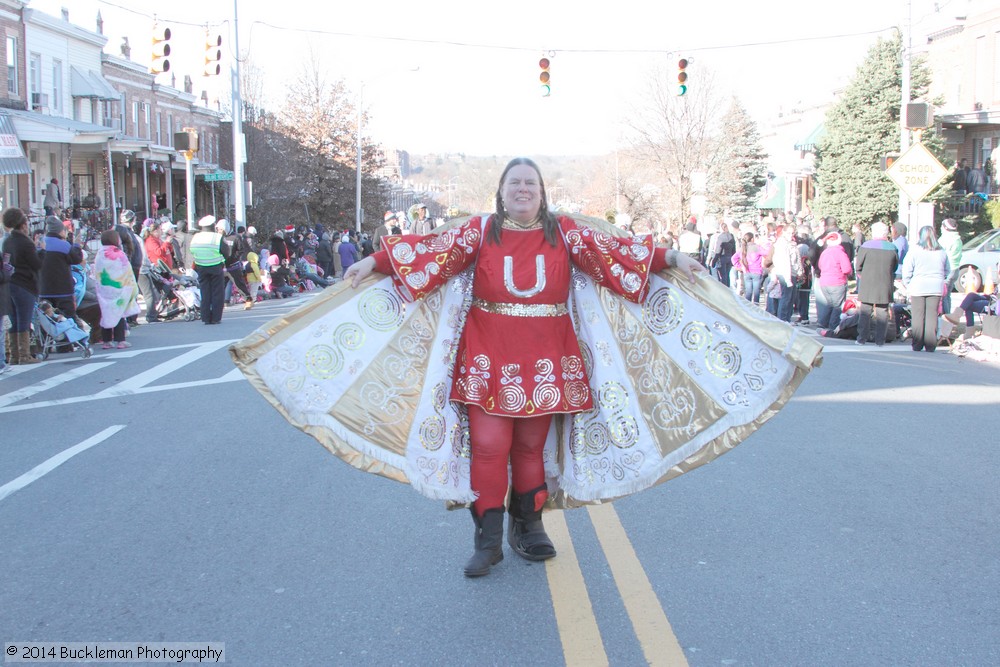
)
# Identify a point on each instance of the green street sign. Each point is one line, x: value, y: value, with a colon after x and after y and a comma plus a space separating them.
x: 219, y: 176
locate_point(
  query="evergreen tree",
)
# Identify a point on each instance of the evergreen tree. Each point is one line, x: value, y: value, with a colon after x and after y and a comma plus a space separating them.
x: 862, y: 127
x: 740, y: 170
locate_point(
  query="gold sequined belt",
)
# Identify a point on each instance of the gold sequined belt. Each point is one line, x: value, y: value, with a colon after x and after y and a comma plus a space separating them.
x: 521, y: 309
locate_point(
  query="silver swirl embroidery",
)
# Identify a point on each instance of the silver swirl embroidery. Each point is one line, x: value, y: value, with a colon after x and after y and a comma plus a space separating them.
x: 508, y: 277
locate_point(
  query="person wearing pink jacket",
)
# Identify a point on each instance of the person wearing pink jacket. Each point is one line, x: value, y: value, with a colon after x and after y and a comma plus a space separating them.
x: 834, y: 268
x: 748, y: 260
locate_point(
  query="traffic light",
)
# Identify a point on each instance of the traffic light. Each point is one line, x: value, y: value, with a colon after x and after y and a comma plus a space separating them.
x: 544, y: 77
x: 213, y: 54
x: 888, y: 159
x: 682, y: 76
x: 161, y: 51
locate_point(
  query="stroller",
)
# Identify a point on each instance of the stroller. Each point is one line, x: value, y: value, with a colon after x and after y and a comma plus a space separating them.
x: 50, y: 329
x: 179, y: 294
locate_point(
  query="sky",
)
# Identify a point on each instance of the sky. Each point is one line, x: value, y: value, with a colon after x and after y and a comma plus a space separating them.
x: 475, y: 86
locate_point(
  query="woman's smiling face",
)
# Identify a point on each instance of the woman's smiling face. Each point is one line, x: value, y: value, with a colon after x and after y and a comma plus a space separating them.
x: 522, y: 193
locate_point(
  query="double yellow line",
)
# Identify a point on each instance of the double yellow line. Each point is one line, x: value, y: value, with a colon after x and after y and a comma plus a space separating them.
x: 578, y: 631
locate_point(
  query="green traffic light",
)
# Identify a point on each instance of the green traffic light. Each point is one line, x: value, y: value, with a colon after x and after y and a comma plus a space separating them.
x: 546, y: 90
x: 681, y: 89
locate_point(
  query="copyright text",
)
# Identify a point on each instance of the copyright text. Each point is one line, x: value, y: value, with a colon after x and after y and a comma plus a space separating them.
x: 176, y: 652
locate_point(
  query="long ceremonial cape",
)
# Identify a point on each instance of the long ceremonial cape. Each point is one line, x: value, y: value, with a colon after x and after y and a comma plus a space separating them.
x: 677, y: 381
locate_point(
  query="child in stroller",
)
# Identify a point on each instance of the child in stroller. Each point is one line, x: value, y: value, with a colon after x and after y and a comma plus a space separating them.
x: 51, y: 329
x: 179, y: 295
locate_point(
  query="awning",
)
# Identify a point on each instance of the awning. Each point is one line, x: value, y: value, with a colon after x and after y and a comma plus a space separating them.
x: 91, y: 84
x: 12, y: 160
x: 33, y: 126
x: 809, y: 144
x: 774, y: 195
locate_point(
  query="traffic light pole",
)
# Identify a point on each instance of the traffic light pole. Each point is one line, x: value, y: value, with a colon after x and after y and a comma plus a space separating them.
x: 189, y: 182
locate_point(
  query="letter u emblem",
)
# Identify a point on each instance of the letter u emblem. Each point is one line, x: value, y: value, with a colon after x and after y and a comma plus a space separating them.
x: 508, y: 277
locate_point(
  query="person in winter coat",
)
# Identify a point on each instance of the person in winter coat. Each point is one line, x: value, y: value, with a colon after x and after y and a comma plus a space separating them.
x: 724, y: 244
x: 875, y: 265
x: 131, y: 244
x: 324, y: 255
x: 6, y: 271
x: 748, y: 261
x: 786, y: 267
x: 254, y: 278
x: 279, y: 248
x: 55, y: 279
x: 20, y: 252
x: 833, y: 268
x: 349, y: 252
x: 925, y: 272
x: 951, y: 242
x: 156, y: 248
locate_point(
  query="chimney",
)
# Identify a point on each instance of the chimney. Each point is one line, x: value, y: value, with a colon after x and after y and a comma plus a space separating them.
x: 188, y: 84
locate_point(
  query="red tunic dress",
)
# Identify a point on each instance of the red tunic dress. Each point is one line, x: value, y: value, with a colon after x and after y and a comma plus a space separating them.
x: 518, y: 355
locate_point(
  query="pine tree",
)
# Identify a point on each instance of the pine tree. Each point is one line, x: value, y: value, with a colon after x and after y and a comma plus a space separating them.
x: 740, y: 170
x: 862, y: 127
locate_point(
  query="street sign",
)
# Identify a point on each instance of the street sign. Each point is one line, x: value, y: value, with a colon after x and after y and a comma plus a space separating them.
x: 916, y: 172
x: 219, y: 176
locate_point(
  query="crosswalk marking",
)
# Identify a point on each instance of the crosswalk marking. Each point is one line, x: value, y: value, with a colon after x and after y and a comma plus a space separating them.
x: 137, y: 384
x: 54, y: 381
x: 54, y: 462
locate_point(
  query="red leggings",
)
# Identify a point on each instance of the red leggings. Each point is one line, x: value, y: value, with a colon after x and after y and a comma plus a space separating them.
x: 496, y: 439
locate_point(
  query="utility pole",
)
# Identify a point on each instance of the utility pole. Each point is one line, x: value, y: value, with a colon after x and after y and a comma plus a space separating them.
x: 904, y: 133
x: 239, y: 143
x: 357, y: 176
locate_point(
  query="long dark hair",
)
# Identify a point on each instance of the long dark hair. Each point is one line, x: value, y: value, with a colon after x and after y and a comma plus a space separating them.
x: 744, y: 247
x: 549, y: 222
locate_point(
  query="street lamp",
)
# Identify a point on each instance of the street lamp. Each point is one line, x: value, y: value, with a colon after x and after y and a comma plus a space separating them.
x: 357, y: 182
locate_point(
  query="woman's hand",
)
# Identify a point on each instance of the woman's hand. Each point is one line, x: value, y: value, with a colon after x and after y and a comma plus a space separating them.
x: 359, y: 271
x: 689, y: 266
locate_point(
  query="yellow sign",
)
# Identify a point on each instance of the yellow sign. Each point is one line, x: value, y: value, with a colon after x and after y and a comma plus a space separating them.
x: 916, y: 172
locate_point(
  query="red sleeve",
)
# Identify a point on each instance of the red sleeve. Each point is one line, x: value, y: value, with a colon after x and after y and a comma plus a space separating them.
x: 622, y: 264
x: 659, y: 260
x: 421, y: 264
x: 382, y: 263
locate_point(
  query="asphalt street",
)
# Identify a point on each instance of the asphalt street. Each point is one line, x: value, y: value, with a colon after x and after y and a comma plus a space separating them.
x: 151, y: 495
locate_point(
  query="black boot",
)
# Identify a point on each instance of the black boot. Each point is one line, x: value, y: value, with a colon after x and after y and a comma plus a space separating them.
x: 526, y: 534
x: 489, y: 542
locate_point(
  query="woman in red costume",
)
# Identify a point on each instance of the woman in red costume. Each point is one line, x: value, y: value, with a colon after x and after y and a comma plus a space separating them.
x: 518, y: 360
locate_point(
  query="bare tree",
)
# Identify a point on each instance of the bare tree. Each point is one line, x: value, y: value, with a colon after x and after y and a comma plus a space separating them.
x: 671, y: 136
x: 321, y: 118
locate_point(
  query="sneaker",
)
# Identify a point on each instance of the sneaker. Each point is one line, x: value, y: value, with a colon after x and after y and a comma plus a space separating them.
x: 858, y: 342
x: 106, y: 346
x: 124, y: 344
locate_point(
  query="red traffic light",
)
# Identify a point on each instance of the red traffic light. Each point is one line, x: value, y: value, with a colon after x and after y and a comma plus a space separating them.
x: 544, y: 77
